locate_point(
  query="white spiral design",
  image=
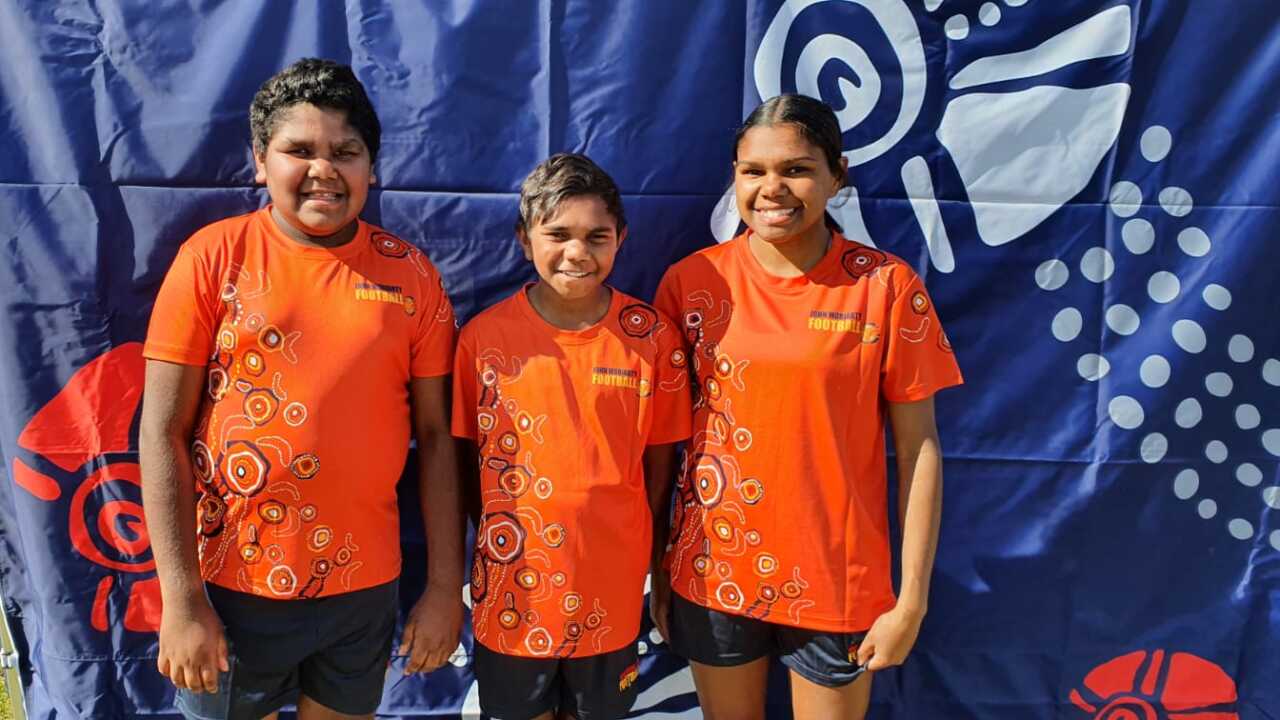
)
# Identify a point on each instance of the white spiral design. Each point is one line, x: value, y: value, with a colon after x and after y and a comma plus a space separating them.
x: 899, y: 26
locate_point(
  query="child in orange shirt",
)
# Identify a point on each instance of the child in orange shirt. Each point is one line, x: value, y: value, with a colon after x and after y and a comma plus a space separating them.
x: 292, y: 353
x: 572, y: 394
x: 803, y: 344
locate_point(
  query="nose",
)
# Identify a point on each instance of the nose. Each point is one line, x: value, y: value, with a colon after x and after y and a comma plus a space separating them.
x: 576, y: 251
x: 321, y: 168
x: 772, y: 185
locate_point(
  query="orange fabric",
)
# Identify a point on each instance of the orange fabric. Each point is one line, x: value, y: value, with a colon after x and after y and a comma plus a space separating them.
x: 561, y: 420
x: 781, y: 513
x: 305, y: 423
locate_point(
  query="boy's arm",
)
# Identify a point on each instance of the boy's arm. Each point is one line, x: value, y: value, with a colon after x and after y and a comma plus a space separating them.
x: 193, y: 647
x: 435, y: 623
x: 915, y: 437
x: 659, y: 469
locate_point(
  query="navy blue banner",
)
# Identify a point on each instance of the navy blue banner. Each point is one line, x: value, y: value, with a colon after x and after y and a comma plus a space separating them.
x: 1087, y: 186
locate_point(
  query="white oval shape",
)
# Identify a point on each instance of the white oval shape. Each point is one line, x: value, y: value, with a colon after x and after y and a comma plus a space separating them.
x: 1154, y: 371
x: 1154, y: 447
x: 1216, y: 451
x: 655, y: 637
x: 1271, y: 441
x: 1188, y: 413
x: 989, y: 14
x: 1163, y: 286
x: 1194, y: 242
x: 1186, y: 483
x: 1052, y: 274
x: 1240, y: 348
x: 1138, y: 235
x: 1097, y: 264
x: 1271, y: 496
x: 1155, y: 143
x: 1216, y: 296
x: 932, y: 5
x: 1125, y: 411
x: 1067, y: 324
x: 1092, y: 367
x: 957, y: 27
x: 1123, y: 319
x: 1249, y: 475
x: 1218, y: 384
x: 1125, y: 198
x: 1247, y: 416
x: 1240, y: 529
x: 1015, y: 3
x: 1176, y: 201
x: 1275, y: 539
x: 1189, y: 336
x: 1271, y: 372
x: 1207, y: 508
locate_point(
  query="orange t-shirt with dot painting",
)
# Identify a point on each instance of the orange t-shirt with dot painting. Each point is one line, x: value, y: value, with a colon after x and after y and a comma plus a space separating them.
x: 561, y: 420
x: 781, y: 510
x: 304, y: 425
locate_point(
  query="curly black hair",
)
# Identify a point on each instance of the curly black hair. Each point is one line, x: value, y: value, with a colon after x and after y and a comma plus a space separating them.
x: 560, y: 177
x: 322, y: 83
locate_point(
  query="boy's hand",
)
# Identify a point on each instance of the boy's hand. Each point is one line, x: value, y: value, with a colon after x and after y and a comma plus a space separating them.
x: 431, y: 633
x: 660, y: 602
x: 193, y: 646
x: 890, y: 638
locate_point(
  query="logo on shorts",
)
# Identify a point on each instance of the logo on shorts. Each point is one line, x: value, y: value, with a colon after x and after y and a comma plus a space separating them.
x: 853, y: 653
x: 1157, y: 684
x: 628, y: 676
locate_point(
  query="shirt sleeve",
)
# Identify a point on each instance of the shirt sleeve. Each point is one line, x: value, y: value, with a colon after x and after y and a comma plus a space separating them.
x: 918, y: 358
x: 186, y: 313
x: 672, y: 405
x: 667, y: 299
x: 431, y: 354
x: 464, y: 390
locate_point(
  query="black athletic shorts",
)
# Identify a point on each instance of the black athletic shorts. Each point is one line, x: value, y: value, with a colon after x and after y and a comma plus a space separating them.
x: 711, y: 637
x: 595, y: 687
x: 332, y: 649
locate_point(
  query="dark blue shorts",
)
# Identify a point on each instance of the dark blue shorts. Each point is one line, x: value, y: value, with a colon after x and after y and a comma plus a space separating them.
x: 711, y: 637
x: 596, y: 687
x: 333, y: 649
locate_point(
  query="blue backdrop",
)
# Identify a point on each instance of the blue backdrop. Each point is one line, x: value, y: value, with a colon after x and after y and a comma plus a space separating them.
x: 1088, y: 187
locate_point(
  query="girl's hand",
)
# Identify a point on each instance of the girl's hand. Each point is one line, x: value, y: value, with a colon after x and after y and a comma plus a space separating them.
x: 890, y: 638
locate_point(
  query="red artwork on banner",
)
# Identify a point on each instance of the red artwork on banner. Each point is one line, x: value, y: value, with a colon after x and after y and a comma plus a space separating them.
x: 1157, y: 685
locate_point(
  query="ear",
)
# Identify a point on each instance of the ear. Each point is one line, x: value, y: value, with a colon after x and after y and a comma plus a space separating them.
x: 260, y: 168
x: 373, y: 178
x: 844, y: 172
x: 525, y: 245
x: 622, y: 236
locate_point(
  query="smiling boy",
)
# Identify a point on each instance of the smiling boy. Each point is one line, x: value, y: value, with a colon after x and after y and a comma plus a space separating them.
x: 292, y: 354
x: 572, y: 394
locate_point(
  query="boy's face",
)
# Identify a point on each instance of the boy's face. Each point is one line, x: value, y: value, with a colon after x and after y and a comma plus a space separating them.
x: 317, y: 171
x: 574, y: 248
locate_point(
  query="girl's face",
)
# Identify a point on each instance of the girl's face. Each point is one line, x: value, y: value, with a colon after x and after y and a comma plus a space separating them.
x: 783, y: 183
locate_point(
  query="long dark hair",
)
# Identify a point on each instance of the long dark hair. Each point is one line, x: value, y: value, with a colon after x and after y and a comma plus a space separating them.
x: 816, y: 122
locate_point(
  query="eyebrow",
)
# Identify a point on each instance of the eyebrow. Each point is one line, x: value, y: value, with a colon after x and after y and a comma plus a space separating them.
x: 787, y: 161
x: 563, y: 228
x: 353, y: 140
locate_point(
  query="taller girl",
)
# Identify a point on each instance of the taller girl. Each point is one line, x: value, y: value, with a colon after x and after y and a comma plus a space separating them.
x: 802, y: 342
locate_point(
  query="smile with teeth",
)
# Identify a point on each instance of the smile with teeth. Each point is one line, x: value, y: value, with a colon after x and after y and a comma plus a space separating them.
x: 775, y: 213
x: 575, y: 273
x: 322, y: 196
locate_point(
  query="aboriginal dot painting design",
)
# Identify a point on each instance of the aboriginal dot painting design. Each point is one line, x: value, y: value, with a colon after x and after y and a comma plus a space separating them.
x: 250, y: 477
x: 520, y: 595
x: 712, y: 494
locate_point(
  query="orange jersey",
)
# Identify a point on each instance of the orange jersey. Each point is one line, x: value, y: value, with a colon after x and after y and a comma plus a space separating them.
x: 304, y: 425
x: 561, y: 419
x: 781, y: 511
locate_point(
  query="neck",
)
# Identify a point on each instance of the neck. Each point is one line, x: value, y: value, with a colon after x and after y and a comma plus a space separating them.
x: 791, y: 257
x: 338, y: 239
x: 570, y: 313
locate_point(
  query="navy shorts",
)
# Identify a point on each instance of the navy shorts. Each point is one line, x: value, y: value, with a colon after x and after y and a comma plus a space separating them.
x: 332, y: 649
x: 711, y: 637
x: 596, y: 687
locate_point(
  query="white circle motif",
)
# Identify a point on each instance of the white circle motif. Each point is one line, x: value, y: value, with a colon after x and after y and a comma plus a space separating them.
x: 1194, y: 242
x: 1249, y: 475
x: 1155, y: 143
x: 1271, y: 372
x: 1216, y: 296
x: 1216, y: 451
x: 1123, y: 319
x: 1189, y: 336
x: 1186, y: 483
x: 1176, y: 201
x: 1097, y: 264
x: 1188, y: 413
x: 1163, y: 286
x: 956, y: 27
x: 1218, y: 384
x: 1271, y: 496
x: 1092, y: 367
x: 1154, y: 371
x: 1067, y: 324
x: 1138, y: 235
x: 1153, y: 448
x: 1207, y: 508
x: 1125, y: 198
x: 1052, y: 274
x: 1240, y: 529
x: 1247, y: 416
x: 1240, y: 348
x: 1271, y: 441
x: 989, y: 14
x: 1125, y: 412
